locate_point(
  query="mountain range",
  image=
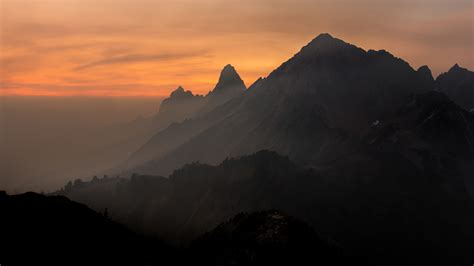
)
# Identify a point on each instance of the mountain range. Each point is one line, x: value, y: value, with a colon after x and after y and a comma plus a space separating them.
x: 179, y: 116
x: 376, y: 155
x: 308, y: 109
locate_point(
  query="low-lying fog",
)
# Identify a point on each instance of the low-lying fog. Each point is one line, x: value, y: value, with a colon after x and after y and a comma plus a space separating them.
x: 46, y: 141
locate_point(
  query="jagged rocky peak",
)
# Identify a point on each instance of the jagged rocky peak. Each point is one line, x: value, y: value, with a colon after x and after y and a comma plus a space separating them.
x: 455, y: 68
x: 425, y: 70
x: 180, y: 92
x: 326, y: 44
x: 323, y: 39
x: 180, y: 97
x: 458, y: 84
x: 229, y: 79
x: 456, y: 71
x: 425, y: 73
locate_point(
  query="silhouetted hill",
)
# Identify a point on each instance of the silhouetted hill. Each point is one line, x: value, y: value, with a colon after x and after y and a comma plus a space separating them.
x: 264, y: 238
x: 36, y: 229
x: 458, y: 84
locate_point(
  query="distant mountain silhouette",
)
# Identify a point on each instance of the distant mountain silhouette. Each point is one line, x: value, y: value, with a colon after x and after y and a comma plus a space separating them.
x: 183, y: 121
x: 36, y: 229
x: 177, y: 107
x: 458, y: 84
x: 182, y: 104
x: 230, y: 85
x: 306, y: 108
x: 264, y: 238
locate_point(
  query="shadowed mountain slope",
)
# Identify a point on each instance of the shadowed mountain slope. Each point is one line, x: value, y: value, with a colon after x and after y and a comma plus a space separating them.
x: 193, y: 119
x: 305, y: 109
x: 361, y: 147
x: 375, y: 202
x: 458, y: 84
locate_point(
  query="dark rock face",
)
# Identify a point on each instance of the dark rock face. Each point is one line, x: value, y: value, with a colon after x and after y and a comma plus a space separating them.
x: 350, y: 86
x: 458, y: 84
x: 36, y: 229
x: 429, y: 123
x: 264, y: 238
x: 436, y: 135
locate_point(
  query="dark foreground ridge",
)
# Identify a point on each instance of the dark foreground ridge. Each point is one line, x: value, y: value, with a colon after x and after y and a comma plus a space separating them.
x: 41, y: 230
x: 37, y: 229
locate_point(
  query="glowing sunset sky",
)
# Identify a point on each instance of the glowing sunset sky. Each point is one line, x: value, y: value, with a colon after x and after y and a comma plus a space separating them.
x: 148, y: 48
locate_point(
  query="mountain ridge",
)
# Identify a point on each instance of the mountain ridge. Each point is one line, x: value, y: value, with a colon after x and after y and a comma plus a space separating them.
x: 314, y: 98
x: 229, y: 87
x: 458, y: 84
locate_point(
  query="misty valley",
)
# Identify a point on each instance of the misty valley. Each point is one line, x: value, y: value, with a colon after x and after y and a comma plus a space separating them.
x: 340, y: 156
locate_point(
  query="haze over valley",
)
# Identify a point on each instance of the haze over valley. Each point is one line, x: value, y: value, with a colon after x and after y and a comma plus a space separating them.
x: 42, y: 138
x: 237, y: 143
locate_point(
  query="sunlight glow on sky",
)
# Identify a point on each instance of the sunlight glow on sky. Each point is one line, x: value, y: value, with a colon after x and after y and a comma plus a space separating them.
x: 148, y: 48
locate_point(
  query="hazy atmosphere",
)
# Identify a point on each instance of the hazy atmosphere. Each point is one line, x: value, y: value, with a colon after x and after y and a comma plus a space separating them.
x: 139, y: 51
x: 46, y: 141
x: 244, y: 133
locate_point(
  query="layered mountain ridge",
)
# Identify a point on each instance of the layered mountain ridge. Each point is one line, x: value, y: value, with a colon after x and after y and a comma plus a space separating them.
x: 181, y: 111
x: 305, y: 108
x: 375, y: 154
x: 183, y: 104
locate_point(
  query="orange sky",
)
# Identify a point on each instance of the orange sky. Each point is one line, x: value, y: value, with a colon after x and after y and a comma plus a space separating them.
x: 148, y: 48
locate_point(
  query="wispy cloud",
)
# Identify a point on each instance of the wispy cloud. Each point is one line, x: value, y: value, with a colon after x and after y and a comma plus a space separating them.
x: 139, y: 58
x: 157, y: 43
